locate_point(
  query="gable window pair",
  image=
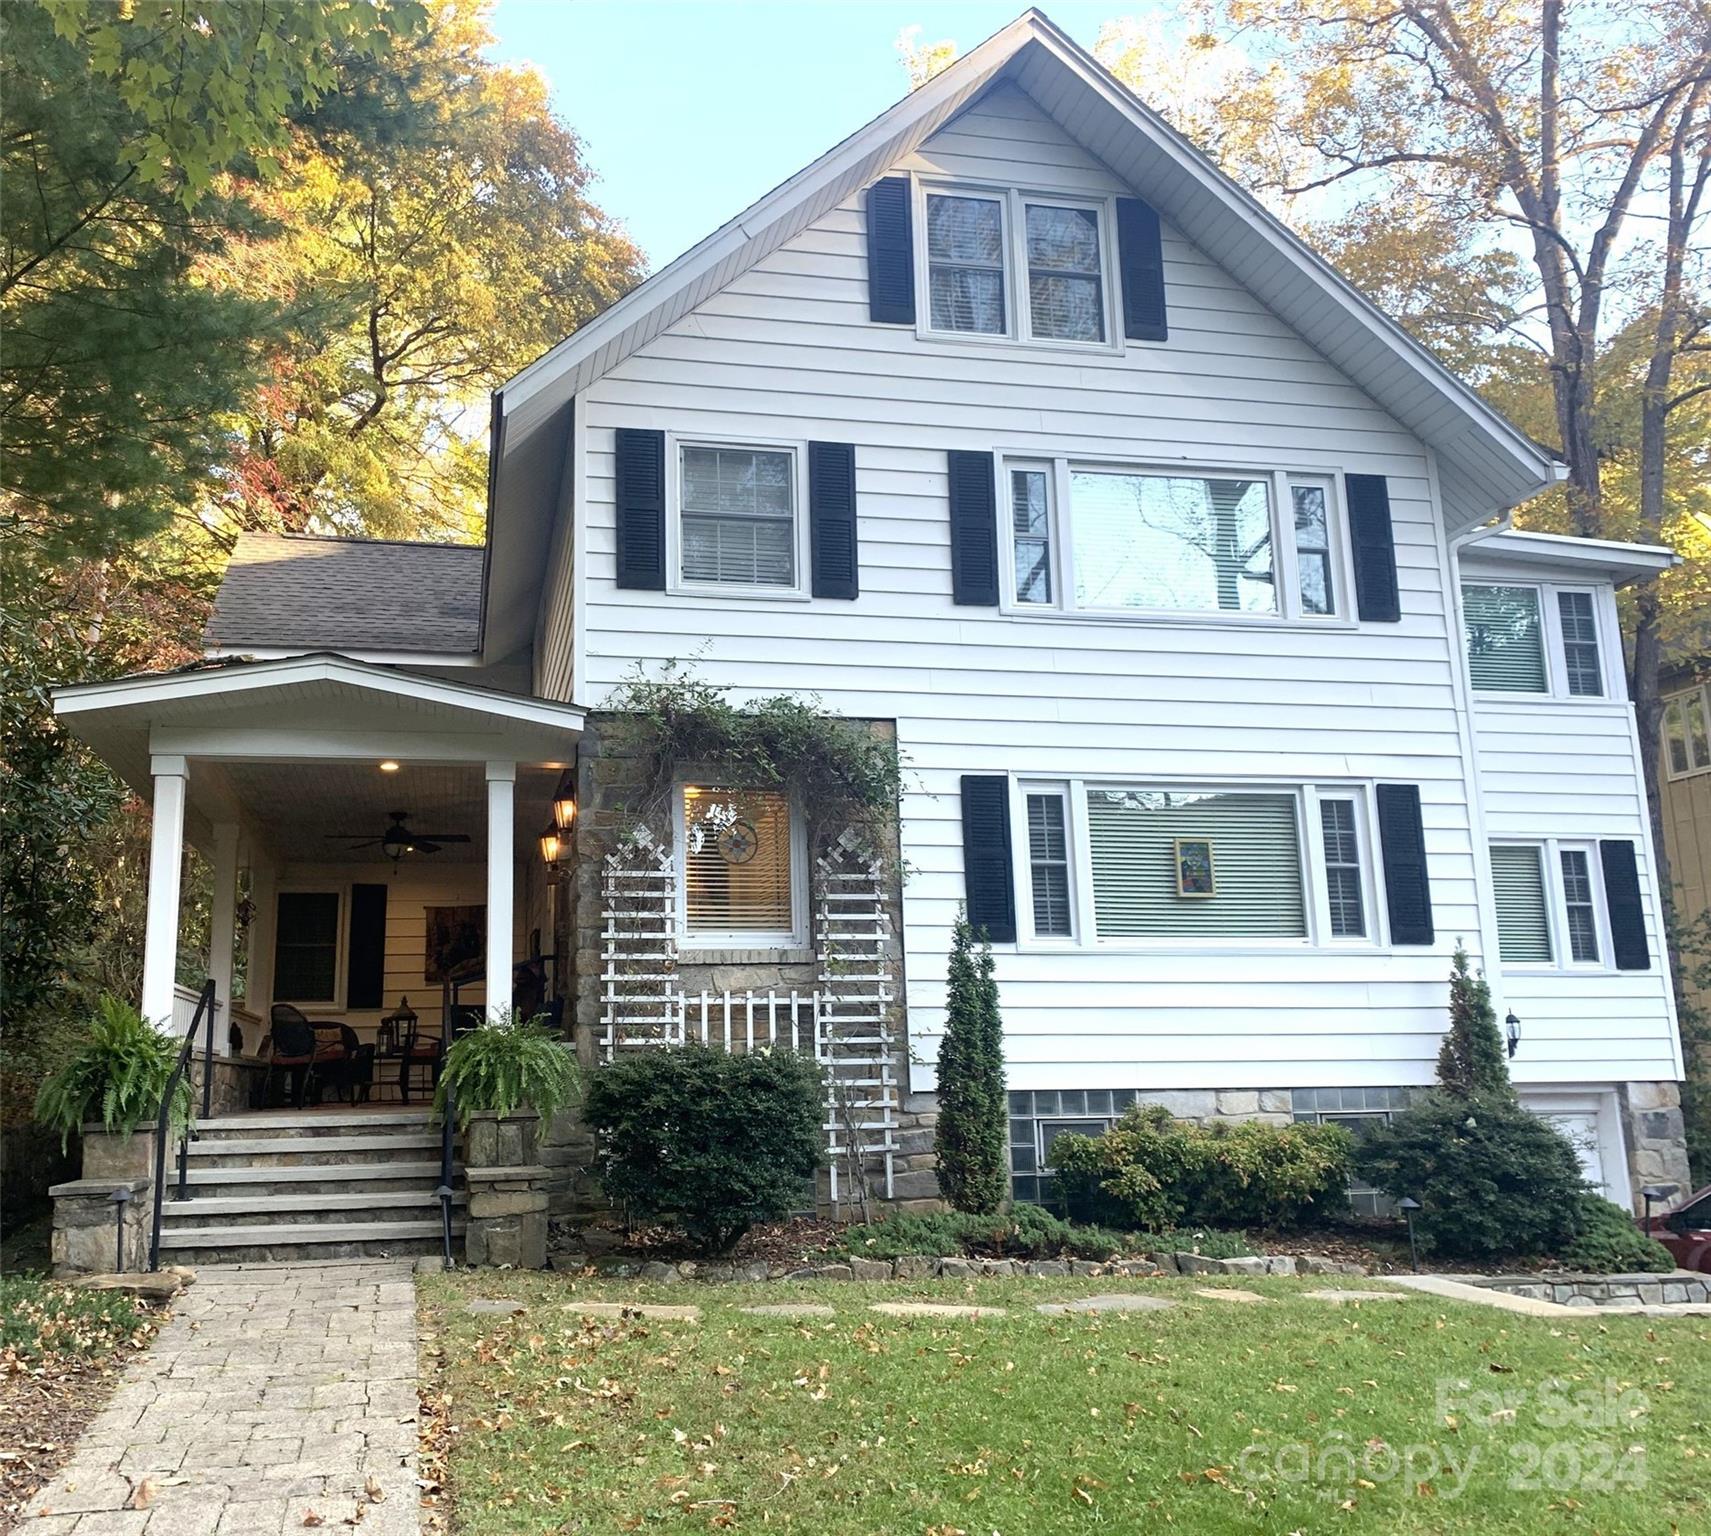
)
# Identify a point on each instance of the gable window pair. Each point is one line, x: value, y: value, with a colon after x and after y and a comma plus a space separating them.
x: 1532, y: 639
x: 742, y: 519
x: 1093, y: 538
x: 1134, y: 863
x: 1569, y: 904
x: 1001, y: 263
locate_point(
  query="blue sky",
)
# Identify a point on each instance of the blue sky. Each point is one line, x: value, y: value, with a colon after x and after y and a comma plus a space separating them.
x: 691, y: 109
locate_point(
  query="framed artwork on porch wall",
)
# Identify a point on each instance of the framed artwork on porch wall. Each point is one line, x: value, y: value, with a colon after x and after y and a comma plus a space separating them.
x: 455, y: 934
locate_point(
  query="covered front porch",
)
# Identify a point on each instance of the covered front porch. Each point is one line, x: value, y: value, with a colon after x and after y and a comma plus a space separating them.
x: 374, y: 842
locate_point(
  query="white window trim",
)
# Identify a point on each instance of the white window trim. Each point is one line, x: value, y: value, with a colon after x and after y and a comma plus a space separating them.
x: 1061, y: 523
x: 341, y: 949
x: 1017, y: 312
x: 1703, y: 691
x: 1556, y: 909
x: 798, y: 591
x: 689, y: 943
x: 1556, y: 690
x: 1309, y: 840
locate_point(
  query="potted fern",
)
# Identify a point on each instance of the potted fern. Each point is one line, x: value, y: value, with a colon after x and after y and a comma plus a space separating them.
x: 503, y: 1077
x: 111, y: 1089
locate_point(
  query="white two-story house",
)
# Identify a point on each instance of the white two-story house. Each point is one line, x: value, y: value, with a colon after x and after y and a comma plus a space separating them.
x: 1230, y: 705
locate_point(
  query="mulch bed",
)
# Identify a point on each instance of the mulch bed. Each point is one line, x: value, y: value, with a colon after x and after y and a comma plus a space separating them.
x: 46, y: 1404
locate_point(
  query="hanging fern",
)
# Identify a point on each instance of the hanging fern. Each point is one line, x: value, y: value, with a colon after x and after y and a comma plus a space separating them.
x: 507, y: 1064
x: 118, y: 1076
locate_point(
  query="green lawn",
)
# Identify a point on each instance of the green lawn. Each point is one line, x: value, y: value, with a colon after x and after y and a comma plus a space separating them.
x: 1288, y: 1416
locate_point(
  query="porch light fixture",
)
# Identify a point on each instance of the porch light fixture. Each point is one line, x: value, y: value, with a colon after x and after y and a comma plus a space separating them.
x: 1513, y: 1025
x: 389, y: 766
x: 1650, y: 1193
x: 564, y: 801
x: 552, y: 844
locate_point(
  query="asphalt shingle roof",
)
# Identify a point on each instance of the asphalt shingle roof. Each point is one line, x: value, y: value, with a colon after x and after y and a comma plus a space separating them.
x: 349, y: 595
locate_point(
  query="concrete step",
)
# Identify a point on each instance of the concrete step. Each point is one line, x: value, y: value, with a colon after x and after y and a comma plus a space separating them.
x: 367, y: 1235
x: 297, y: 1151
x: 259, y: 1207
x: 313, y: 1122
x: 311, y: 1179
x: 211, y: 1254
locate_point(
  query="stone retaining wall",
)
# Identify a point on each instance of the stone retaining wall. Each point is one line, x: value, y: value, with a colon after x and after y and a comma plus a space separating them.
x: 1678, y: 1287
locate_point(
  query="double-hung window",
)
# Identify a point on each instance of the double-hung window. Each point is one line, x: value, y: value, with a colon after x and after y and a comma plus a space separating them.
x: 1007, y: 264
x: 1549, y: 907
x: 1144, y: 864
x: 1527, y: 639
x: 1686, y: 741
x: 1105, y: 539
x: 738, y: 517
x: 306, y: 947
x: 741, y: 875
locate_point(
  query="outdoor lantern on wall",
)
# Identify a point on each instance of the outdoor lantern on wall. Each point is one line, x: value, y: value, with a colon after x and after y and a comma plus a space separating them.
x: 552, y: 844
x: 564, y: 801
x: 1513, y: 1025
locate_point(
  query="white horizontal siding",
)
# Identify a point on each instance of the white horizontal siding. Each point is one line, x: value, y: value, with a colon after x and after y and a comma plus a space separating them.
x: 786, y: 352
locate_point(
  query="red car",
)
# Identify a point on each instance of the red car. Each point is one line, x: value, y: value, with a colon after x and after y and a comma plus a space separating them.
x: 1686, y: 1231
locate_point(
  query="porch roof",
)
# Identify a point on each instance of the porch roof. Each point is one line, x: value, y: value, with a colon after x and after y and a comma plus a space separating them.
x: 320, y: 707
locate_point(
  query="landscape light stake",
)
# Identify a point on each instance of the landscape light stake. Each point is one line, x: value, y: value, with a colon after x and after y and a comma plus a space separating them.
x: 1655, y: 1192
x: 1408, y: 1207
x: 121, y: 1197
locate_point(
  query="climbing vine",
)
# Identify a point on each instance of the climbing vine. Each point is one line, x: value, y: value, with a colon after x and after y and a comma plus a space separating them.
x: 844, y: 772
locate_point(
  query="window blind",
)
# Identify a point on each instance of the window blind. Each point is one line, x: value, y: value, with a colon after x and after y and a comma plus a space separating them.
x: 1505, y: 649
x: 1580, y: 644
x: 1523, y: 921
x: 738, y: 517
x: 965, y: 264
x: 1342, y: 868
x: 1256, y: 858
x: 736, y: 862
x: 1579, y: 904
x: 1065, y: 301
x: 1048, y: 857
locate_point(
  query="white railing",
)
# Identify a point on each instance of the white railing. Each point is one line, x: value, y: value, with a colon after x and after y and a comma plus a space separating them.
x: 184, y: 1000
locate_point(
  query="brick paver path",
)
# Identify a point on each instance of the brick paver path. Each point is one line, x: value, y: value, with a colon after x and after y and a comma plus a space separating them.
x: 270, y: 1401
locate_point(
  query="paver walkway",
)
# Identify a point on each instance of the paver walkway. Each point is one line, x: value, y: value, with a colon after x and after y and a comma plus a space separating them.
x: 278, y: 1396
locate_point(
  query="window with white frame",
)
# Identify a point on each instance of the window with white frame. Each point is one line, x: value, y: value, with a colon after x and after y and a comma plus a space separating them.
x: 1107, y: 539
x: 1009, y: 264
x: 1686, y: 742
x: 737, y: 516
x: 1048, y: 863
x: 1549, y: 903
x: 1528, y: 639
x: 306, y: 947
x: 1151, y: 864
x: 741, y: 870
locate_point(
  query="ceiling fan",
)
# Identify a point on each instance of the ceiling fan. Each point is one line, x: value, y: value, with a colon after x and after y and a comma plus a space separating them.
x: 398, y: 840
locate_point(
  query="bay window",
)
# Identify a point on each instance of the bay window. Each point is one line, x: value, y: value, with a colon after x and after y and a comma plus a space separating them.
x: 1113, y: 540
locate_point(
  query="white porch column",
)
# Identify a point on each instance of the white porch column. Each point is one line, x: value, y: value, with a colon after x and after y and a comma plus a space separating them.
x: 501, y: 882
x: 264, y: 895
x: 222, y: 928
x: 166, y: 857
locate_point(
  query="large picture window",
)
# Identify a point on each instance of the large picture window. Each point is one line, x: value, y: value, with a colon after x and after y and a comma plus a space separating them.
x: 740, y: 868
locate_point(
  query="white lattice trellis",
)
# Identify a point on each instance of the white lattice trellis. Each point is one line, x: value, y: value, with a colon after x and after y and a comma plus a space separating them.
x: 853, y: 1037
x: 641, y: 998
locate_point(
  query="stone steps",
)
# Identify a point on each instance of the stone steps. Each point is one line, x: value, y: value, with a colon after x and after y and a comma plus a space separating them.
x: 309, y: 1184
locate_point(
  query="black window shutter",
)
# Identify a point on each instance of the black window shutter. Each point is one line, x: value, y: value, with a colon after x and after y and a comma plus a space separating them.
x: 1627, y: 911
x: 640, y: 473
x: 832, y: 519
x: 365, y: 970
x: 890, y: 253
x: 986, y: 855
x: 1141, y: 253
x: 974, y: 529
x: 1407, y: 887
x: 1376, y: 594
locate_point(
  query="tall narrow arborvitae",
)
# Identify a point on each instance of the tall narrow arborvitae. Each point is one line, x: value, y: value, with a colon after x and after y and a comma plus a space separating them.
x: 1472, y: 1062
x: 971, y: 1139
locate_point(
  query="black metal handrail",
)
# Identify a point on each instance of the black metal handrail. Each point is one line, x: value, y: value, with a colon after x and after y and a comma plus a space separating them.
x: 205, y: 1006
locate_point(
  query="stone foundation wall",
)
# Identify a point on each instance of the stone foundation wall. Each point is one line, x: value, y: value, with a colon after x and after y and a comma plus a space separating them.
x: 1678, y: 1288
x: 1655, y: 1136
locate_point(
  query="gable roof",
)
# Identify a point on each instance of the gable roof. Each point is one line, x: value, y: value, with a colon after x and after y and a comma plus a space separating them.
x: 1484, y: 464
x: 294, y: 590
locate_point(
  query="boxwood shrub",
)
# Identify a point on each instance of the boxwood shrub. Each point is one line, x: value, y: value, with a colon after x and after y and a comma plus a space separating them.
x: 1610, y: 1244
x: 707, y: 1140
x: 1152, y: 1172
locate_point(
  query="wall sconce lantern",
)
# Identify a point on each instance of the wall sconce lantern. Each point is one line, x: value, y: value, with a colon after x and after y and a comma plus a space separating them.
x: 564, y: 801
x: 552, y: 845
x: 1513, y: 1025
